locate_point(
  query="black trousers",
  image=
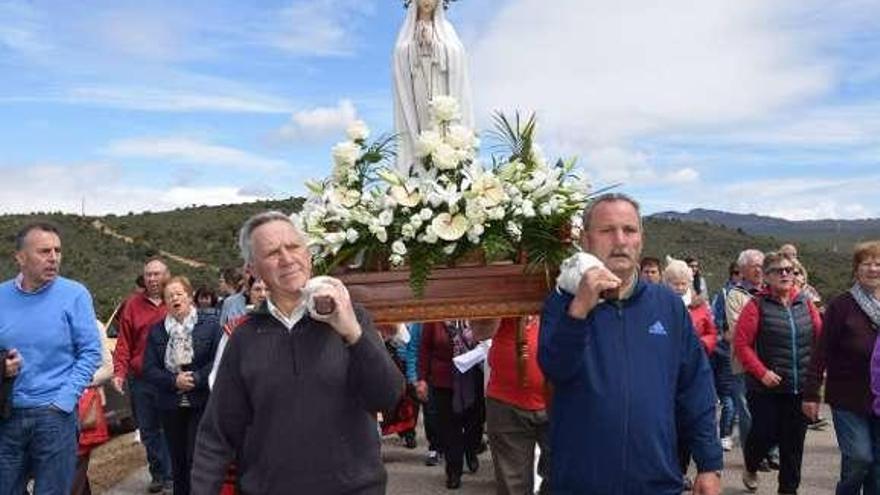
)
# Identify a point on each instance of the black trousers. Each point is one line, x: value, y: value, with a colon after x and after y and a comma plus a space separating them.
x: 459, y: 433
x: 180, y: 427
x: 777, y: 419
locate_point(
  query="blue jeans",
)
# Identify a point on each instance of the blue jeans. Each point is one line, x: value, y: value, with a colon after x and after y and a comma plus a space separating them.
x: 41, y: 442
x: 742, y: 408
x: 144, y: 402
x: 858, y: 437
x: 727, y: 415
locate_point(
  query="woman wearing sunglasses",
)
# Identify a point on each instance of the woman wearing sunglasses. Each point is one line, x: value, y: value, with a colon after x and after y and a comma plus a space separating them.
x: 775, y: 337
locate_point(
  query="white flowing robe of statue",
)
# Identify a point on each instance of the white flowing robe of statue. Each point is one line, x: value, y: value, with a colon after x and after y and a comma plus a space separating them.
x: 422, y: 71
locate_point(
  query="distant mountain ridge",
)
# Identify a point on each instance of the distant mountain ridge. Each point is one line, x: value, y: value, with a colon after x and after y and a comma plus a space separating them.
x: 836, y: 235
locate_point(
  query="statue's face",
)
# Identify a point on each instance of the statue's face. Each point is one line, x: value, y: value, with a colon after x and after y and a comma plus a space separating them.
x: 427, y: 6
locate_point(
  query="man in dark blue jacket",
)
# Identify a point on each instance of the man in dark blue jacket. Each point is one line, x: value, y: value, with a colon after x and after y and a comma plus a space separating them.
x: 630, y: 377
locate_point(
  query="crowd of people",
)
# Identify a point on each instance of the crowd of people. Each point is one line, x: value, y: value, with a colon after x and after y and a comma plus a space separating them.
x: 278, y: 383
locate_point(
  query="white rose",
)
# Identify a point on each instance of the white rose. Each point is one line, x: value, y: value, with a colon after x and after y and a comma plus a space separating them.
x: 358, y: 131
x: 445, y: 108
x: 382, y: 235
x: 460, y: 137
x: 335, y: 238
x: 430, y: 237
x: 351, y: 235
x: 546, y: 209
x: 426, y: 213
x: 477, y: 230
x: 427, y: 142
x: 514, y: 229
x: 416, y: 221
x: 346, y: 153
x: 395, y: 260
x: 407, y: 231
x: 448, y: 227
x: 398, y: 247
x: 450, y: 248
x: 496, y: 213
x: 444, y: 157
x: 528, y: 209
x: 386, y: 217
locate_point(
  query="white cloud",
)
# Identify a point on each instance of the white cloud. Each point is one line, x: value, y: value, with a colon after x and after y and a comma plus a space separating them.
x: 191, y: 151
x: 320, y: 122
x: 682, y: 176
x: 21, y: 28
x: 318, y: 27
x: 610, y: 165
x: 605, y: 71
x: 171, y: 99
x: 101, y: 186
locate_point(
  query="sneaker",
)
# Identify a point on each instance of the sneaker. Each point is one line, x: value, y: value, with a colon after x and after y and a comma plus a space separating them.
x: 727, y: 443
x: 750, y: 481
x: 432, y: 459
x: 155, y: 486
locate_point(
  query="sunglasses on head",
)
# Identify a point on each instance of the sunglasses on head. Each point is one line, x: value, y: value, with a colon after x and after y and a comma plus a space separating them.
x: 782, y: 270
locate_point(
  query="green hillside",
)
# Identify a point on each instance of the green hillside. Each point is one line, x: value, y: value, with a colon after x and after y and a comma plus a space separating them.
x: 108, y: 265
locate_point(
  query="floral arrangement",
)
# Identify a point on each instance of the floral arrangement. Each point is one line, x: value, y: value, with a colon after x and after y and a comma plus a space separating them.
x: 449, y: 205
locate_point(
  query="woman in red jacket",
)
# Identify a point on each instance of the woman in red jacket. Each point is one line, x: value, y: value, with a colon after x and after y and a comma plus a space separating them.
x: 679, y: 277
x: 775, y: 337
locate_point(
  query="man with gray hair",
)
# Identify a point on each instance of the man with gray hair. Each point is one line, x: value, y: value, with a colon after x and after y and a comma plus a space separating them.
x: 627, y: 368
x: 296, y: 395
x: 750, y: 262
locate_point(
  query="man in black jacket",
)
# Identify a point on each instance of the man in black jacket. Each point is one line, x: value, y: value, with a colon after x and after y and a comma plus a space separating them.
x: 296, y: 395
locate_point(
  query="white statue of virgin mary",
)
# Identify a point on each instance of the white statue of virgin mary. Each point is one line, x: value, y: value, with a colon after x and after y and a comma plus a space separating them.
x: 429, y: 60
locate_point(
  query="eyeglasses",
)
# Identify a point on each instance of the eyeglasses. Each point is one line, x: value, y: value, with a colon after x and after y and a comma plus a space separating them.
x: 781, y: 270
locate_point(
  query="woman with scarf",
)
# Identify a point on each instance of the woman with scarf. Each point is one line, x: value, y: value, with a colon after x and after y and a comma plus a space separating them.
x: 848, y: 339
x: 458, y: 396
x: 178, y: 358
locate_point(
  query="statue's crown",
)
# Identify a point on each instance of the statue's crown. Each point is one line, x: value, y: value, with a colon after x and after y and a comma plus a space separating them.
x: 445, y: 3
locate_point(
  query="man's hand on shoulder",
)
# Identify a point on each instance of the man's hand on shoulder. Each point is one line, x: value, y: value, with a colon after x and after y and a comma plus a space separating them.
x: 708, y: 483
x: 342, y: 317
x: 593, y: 282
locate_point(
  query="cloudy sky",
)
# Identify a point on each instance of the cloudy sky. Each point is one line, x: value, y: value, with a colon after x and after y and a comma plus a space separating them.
x: 770, y: 107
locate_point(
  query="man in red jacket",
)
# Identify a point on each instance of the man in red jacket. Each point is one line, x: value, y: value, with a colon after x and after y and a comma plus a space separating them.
x: 140, y: 312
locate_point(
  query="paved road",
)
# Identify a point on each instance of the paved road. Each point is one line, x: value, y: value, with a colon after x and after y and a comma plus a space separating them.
x: 407, y: 475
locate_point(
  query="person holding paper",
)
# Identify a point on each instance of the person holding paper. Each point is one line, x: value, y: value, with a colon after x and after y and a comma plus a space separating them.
x: 458, y: 396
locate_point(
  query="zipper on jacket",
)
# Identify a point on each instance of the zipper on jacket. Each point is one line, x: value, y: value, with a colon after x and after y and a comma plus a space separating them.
x: 794, y: 355
x: 626, y: 357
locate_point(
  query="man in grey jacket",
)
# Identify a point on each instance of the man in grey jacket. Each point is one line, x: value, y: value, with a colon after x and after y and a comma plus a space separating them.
x: 295, y: 400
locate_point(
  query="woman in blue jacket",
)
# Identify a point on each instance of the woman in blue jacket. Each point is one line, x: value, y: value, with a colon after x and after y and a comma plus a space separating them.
x: 177, y: 361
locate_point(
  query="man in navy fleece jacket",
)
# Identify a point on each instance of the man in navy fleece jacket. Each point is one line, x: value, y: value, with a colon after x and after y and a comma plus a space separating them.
x: 630, y: 377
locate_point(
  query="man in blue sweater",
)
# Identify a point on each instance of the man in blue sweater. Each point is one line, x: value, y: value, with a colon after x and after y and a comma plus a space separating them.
x: 630, y: 377
x: 50, y: 323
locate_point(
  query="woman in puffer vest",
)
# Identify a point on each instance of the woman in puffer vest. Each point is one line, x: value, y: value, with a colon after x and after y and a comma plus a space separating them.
x: 775, y: 339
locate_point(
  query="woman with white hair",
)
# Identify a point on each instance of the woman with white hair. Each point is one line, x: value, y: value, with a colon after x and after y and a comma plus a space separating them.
x: 679, y: 277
